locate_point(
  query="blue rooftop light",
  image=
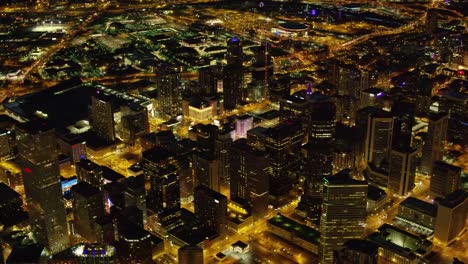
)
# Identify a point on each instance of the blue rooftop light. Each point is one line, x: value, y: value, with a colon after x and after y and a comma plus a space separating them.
x: 234, y: 39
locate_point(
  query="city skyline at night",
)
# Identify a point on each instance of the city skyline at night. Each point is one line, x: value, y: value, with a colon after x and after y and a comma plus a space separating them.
x: 195, y: 131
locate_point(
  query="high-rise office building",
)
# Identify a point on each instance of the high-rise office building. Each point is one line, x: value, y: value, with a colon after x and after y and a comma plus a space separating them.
x: 223, y: 144
x: 234, y: 53
x: 318, y: 152
x: 451, y: 216
x: 232, y: 85
x: 170, y: 92
x: 135, y: 194
x: 206, y: 170
x: 403, y: 122
x: 89, y: 172
x: 233, y: 74
x: 211, y: 208
x: 88, y: 205
x: 209, y: 78
x: 101, y: 115
x: 322, y: 119
x: 402, y: 170
x: 190, y: 255
x: 262, y: 69
x: 281, y: 143
x: 343, y: 213
x: 249, y: 178
x: 37, y: 150
x: 433, y: 148
x: 375, y: 129
x: 431, y: 20
x: 160, y: 169
x: 445, y: 178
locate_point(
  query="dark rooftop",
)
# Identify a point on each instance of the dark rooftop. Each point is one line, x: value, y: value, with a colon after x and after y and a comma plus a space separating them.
x: 343, y: 177
x: 210, y: 192
x: 447, y: 166
x: 157, y: 154
x: 375, y: 193
x: 453, y: 199
x: 366, y: 246
x: 7, y: 193
x: 25, y: 254
x: 85, y: 189
x: 420, y: 206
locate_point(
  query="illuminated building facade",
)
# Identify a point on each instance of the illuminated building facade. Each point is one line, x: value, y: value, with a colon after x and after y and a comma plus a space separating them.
x: 281, y: 143
x: 402, y: 171
x: 190, y: 255
x: 343, y: 213
x: 90, y: 172
x: 445, y: 179
x: 243, y: 124
x: 101, y: 115
x: 38, y: 159
x: 170, y: 93
x: 211, y: 208
x: 451, y: 216
x: 87, y: 202
x: 160, y: 169
x: 206, y: 170
x: 433, y: 148
x: 248, y: 177
x: 375, y: 129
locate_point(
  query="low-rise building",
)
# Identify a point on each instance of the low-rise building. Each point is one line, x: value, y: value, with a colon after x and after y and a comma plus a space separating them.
x: 398, y: 246
x: 294, y: 232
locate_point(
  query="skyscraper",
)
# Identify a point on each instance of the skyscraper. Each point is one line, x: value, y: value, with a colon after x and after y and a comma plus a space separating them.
x: 190, y: 255
x: 318, y: 152
x: 211, y: 208
x: 101, y: 115
x: 232, y: 85
x: 233, y: 74
x: 343, y: 213
x: 281, y: 143
x: 89, y: 172
x: 402, y: 170
x: 403, y: 122
x: 206, y: 170
x: 434, y: 145
x: 451, y: 216
x: 445, y: 178
x: 170, y: 92
x: 234, y: 53
x: 249, y: 179
x: 159, y: 166
x: 375, y: 129
x: 37, y: 149
x: 208, y: 78
x: 88, y: 205
x: 431, y: 20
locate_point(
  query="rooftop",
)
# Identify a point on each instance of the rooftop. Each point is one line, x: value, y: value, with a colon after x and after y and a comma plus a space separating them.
x: 420, y: 206
x: 401, y: 241
x: 453, y: 199
x: 210, y: 192
x: 302, y: 231
x: 360, y: 245
x: 85, y: 189
x: 7, y: 193
x: 375, y: 193
x: 342, y: 177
